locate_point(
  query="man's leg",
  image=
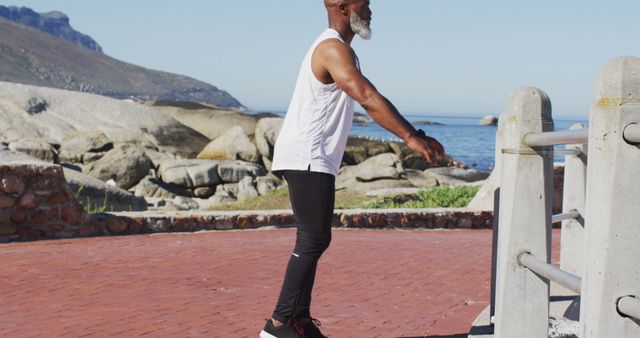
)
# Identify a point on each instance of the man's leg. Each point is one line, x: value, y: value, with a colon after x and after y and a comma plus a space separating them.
x: 312, y: 197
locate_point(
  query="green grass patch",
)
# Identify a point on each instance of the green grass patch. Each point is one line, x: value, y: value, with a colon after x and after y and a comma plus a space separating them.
x: 438, y: 197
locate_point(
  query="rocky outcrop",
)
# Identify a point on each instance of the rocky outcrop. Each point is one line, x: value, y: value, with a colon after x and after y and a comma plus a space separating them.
x: 33, y: 57
x: 267, y: 131
x: 81, y: 146
x: 488, y: 120
x: 360, y: 148
x: 208, y: 121
x: 38, y: 148
x: 379, y: 172
x: 70, y: 113
x: 232, y: 145
x: 55, y: 23
x: 456, y: 176
x: 92, y: 193
x: 125, y: 164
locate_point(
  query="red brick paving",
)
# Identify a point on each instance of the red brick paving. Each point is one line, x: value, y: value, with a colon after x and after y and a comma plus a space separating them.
x: 370, y: 283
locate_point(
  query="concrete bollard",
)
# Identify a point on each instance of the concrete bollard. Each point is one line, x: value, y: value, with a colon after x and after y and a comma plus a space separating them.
x: 613, y: 204
x: 575, y: 183
x: 526, y: 187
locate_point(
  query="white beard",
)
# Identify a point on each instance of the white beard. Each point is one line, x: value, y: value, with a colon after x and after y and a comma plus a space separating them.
x: 360, y: 27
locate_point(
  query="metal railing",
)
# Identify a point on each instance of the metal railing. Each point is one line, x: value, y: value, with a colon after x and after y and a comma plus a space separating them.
x: 599, y: 218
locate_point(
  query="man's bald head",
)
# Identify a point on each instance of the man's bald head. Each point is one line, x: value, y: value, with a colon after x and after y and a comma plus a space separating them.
x: 353, y: 15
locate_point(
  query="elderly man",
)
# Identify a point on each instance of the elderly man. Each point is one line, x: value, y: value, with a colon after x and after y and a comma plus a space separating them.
x: 310, y: 147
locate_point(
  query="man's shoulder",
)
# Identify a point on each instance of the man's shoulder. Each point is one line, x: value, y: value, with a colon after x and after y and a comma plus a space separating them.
x: 334, y: 48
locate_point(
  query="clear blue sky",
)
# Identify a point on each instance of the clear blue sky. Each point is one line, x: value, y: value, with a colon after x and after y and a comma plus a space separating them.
x: 439, y: 57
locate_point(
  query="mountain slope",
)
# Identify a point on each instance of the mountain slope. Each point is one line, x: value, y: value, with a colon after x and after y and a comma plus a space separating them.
x: 55, y: 23
x: 30, y: 56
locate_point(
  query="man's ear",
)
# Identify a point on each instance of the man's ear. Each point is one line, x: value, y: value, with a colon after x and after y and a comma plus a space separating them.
x: 343, y: 8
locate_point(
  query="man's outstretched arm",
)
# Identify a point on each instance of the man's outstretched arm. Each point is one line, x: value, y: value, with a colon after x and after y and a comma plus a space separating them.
x: 339, y: 63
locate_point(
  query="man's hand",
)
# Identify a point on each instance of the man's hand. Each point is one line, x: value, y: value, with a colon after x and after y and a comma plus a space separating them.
x: 427, y: 146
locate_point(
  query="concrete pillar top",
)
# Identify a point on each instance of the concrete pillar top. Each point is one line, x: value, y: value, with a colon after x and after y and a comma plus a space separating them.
x: 619, y: 82
x: 527, y: 106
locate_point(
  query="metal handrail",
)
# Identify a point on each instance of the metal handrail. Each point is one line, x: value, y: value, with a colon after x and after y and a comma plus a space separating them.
x: 573, y: 214
x: 577, y: 136
x: 550, y: 272
x: 629, y: 306
x: 632, y: 133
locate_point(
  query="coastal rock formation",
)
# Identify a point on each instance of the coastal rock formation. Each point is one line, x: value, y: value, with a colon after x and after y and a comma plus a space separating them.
x: 92, y: 193
x: 125, y: 164
x: 76, y: 147
x: 209, y: 121
x: 361, y: 148
x: 378, y: 172
x: 38, y: 148
x: 267, y: 131
x: 488, y: 120
x: 232, y: 145
x: 69, y: 113
x: 456, y: 176
x: 190, y: 174
x: 361, y: 118
x: 55, y: 23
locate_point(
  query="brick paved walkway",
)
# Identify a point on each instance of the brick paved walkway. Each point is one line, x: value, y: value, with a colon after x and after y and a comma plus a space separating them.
x: 370, y: 283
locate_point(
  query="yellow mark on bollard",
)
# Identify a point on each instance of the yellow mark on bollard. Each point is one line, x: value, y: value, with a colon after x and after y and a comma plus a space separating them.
x: 607, y: 101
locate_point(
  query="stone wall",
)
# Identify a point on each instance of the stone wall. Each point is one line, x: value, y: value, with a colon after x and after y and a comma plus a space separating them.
x: 35, y: 203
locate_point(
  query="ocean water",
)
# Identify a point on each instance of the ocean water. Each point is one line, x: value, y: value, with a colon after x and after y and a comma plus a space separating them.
x: 461, y: 137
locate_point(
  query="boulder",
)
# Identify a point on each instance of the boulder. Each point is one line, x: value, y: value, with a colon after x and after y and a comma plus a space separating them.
x: 204, y: 192
x: 69, y: 112
x: 189, y: 174
x: 266, y: 183
x: 157, y: 157
x: 382, y: 166
x: 247, y: 188
x: 152, y: 187
x: 488, y: 120
x: 76, y: 145
x: 125, y: 164
x: 96, y: 195
x: 378, y: 172
x: 232, y: 145
x: 360, y: 148
x: 361, y: 118
x: 221, y: 197
x: 234, y: 171
x: 201, y: 119
x: 421, y: 179
x: 266, y: 134
x: 232, y: 188
x: 185, y: 203
x: 364, y: 187
x: 456, y: 176
x: 37, y: 148
x: 410, y: 158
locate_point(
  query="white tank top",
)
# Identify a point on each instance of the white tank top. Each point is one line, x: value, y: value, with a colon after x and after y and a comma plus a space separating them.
x: 318, y: 121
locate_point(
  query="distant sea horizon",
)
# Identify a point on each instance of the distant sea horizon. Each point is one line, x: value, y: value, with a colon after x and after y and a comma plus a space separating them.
x: 461, y: 136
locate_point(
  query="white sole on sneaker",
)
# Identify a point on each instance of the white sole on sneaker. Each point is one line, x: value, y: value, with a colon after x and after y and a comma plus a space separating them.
x: 265, y: 334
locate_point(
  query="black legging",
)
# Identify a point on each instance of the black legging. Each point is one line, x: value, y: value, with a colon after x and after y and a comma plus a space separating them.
x: 312, y: 197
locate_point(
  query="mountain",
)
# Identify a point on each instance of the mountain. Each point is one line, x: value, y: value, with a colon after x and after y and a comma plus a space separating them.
x: 54, y: 23
x: 30, y: 56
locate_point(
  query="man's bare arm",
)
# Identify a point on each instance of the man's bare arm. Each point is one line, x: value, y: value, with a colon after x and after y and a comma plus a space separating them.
x: 339, y: 63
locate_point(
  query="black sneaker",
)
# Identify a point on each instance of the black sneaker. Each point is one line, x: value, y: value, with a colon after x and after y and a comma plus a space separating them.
x: 289, y: 330
x: 312, y: 329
